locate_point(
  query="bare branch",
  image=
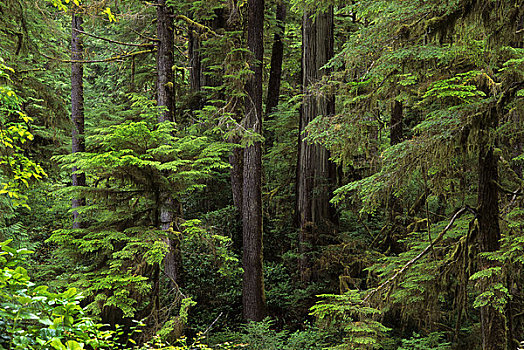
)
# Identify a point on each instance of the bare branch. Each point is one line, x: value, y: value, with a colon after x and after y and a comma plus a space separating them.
x: 420, y: 255
x: 113, y: 58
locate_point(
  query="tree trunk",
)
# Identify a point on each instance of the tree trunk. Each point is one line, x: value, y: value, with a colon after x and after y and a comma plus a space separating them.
x: 253, y: 280
x: 195, y: 64
x: 315, y: 173
x: 492, y: 321
x: 277, y: 54
x: 165, y: 61
x: 236, y: 160
x: 166, y: 98
x: 77, y: 109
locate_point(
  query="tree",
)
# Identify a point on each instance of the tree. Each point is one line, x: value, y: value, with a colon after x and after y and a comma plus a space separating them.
x: 253, y: 280
x: 166, y: 100
x: 277, y: 55
x: 315, y: 172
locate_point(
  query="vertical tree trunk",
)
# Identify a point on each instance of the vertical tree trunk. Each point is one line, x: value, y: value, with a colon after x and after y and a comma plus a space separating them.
x: 394, y: 207
x: 277, y: 54
x: 492, y: 321
x: 315, y: 172
x: 395, y: 131
x: 77, y: 108
x: 253, y: 280
x: 236, y: 160
x: 195, y: 64
x: 165, y: 61
x: 166, y: 98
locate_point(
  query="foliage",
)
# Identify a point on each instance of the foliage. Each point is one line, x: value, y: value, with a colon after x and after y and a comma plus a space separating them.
x: 17, y: 170
x: 350, y: 315
x: 34, y: 318
x: 131, y: 164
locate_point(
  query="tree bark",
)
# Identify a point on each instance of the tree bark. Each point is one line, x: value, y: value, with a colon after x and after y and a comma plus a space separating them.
x: 277, y: 54
x: 315, y: 173
x: 165, y: 61
x: 77, y: 109
x: 166, y: 98
x: 492, y: 321
x: 253, y: 299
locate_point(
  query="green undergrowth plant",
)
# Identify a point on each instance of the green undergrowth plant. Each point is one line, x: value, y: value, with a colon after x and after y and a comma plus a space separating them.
x: 17, y: 171
x: 32, y: 317
x: 351, y: 319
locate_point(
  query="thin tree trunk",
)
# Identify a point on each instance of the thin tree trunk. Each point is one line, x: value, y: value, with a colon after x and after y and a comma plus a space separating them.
x: 253, y: 299
x: 315, y: 173
x: 236, y: 160
x: 277, y: 54
x: 195, y: 64
x: 77, y: 109
x: 166, y: 98
x: 492, y: 321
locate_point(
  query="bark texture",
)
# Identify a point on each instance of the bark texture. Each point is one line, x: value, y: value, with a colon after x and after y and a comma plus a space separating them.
x: 165, y: 61
x: 77, y: 109
x: 315, y: 172
x: 166, y: 98
x: 253, y: 299
x: 492, y: 321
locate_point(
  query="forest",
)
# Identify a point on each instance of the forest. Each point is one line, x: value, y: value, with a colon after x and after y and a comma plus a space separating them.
x: 261, y: 174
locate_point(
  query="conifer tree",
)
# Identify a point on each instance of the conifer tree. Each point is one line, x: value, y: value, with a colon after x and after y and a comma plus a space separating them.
x: 315, y: 172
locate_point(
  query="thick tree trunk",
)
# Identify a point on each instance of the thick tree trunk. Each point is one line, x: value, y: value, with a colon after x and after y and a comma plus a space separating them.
x: 315, y: 173
x: 77, y: 109
x: 277, y: 54
x: 492, y: 321
x: 253, y: 299
x: 166, y: 98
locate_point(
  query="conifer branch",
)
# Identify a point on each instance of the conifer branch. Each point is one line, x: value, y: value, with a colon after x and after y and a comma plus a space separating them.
x: 458, y: 214
x: 111, y: 40
x: 113, y: 58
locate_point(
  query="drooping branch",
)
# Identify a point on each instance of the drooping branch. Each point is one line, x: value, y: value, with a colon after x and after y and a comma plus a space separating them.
x: 200, y: 27
x: 457, y: 215
x: 113, y: 58
x: 113, y: 41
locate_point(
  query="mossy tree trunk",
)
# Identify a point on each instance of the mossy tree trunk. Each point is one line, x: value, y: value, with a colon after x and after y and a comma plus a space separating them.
x: 492, y: 321
x: 166, y: 98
